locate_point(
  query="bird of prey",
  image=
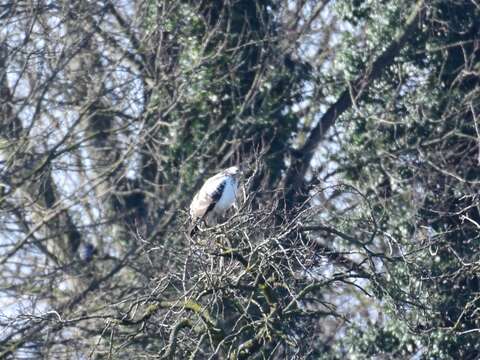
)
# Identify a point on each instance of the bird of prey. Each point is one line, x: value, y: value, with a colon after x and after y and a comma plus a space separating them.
x: 214, y: 198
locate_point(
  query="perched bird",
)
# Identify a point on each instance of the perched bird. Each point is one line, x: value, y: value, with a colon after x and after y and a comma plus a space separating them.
x: 215, y: 197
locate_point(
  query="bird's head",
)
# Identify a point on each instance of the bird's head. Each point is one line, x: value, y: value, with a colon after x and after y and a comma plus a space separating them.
x: 233, y: 171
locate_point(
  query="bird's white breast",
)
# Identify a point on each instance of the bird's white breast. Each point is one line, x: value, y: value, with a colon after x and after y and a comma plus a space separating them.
x: 228, y: 196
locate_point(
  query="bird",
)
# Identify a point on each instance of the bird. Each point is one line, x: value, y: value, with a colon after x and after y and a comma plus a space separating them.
x: 215, y: 197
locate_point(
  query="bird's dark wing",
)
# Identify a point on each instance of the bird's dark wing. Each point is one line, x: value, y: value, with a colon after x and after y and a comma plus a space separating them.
x: 206, y: 199
x: 215, y: 196
x: 204, y: 202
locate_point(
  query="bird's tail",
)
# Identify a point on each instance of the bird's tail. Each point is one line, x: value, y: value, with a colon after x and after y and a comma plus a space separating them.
x: 192, y: 230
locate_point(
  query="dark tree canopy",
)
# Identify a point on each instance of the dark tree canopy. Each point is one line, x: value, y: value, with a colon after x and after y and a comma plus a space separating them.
x: 358, y: 223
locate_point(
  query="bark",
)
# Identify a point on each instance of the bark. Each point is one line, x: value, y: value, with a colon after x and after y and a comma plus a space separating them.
x: 30, y: 173
x: 294, y: 181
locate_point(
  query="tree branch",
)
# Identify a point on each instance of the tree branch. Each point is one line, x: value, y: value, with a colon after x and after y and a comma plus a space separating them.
x: 296, y: 174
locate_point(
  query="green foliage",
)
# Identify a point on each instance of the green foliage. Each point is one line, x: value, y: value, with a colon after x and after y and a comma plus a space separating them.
x: 109, y: 142
x: 411, y: 146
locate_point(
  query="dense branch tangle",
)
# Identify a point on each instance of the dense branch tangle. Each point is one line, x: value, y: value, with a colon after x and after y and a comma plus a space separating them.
x: 111, y: 116
x: 112, y: 113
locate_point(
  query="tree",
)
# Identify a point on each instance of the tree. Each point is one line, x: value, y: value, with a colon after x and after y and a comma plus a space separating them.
x: 355, y: 121
x: 412, y: 149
